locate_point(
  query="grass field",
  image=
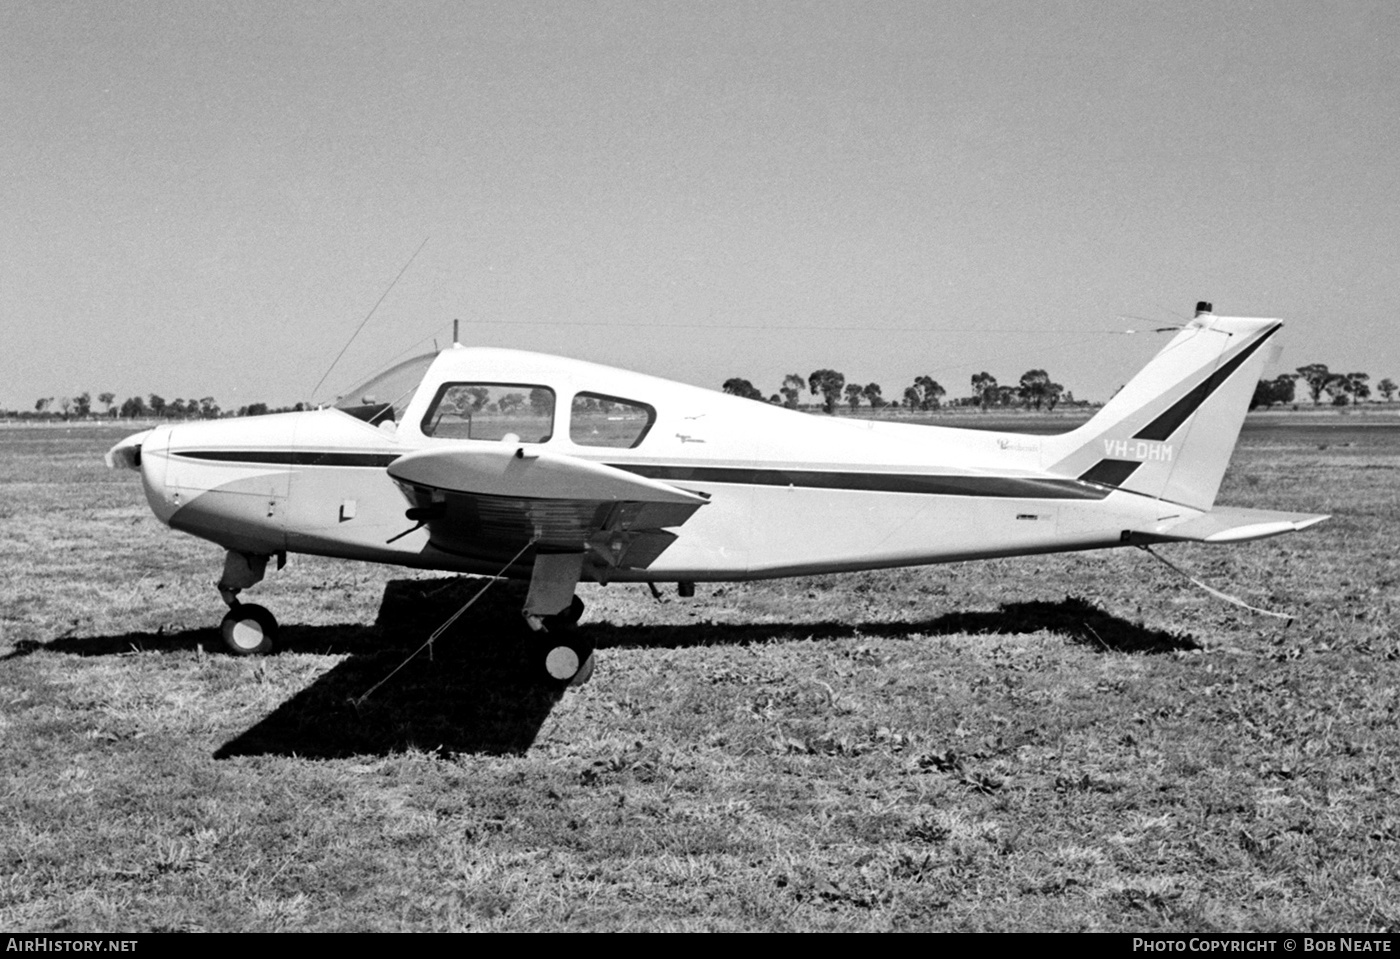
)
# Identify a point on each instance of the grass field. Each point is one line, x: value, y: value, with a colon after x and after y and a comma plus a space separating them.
x: 1076, y: 742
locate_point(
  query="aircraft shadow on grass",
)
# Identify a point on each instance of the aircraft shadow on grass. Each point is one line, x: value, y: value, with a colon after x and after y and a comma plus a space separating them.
x: 479, y: 694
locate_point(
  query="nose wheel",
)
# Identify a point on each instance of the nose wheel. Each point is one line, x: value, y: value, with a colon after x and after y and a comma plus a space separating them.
x: 249, y: 630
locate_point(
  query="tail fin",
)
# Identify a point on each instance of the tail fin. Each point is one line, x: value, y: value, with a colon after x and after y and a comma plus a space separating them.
x: 1169, y: 433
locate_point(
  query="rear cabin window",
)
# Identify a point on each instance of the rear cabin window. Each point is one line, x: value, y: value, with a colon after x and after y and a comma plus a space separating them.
x: 488, y: 411
x: 599, y: 420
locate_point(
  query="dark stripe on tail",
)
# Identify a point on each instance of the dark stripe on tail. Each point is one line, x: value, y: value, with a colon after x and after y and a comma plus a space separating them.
x: 1110, y: 472
x: 1167, y: 424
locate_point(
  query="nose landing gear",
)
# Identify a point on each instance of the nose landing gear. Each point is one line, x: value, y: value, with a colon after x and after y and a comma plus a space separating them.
x: 248, y: 629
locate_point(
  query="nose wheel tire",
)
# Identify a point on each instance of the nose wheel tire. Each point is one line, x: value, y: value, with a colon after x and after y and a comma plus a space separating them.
x: 249, y: 630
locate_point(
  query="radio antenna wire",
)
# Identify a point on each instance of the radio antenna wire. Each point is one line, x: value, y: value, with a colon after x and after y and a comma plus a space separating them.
x: 371, y: 312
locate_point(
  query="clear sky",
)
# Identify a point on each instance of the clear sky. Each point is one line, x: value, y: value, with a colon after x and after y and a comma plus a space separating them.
x: 207, y: 198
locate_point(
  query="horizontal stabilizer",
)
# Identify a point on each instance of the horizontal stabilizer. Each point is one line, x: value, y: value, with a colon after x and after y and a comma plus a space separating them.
x: 1227, y: 524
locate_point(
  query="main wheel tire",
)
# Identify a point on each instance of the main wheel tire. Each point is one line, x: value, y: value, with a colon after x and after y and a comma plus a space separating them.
x: 249, y: 630
x: 565, y: 660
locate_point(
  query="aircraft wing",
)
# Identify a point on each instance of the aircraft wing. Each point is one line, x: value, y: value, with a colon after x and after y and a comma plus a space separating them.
x: 1228, y: 524
x: 490, y: 500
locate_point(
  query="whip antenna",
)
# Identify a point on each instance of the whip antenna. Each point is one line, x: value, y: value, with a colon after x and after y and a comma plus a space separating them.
x: 368, y: 315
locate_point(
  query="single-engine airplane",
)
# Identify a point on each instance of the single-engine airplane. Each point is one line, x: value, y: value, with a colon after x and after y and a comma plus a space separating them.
x: 558, y: 471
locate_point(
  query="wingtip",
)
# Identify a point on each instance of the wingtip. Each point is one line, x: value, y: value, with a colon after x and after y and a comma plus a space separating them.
x: 1303, y: 524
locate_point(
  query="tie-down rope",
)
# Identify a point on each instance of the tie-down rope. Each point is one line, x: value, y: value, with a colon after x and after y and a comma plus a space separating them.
x: 358, y: 701
x: 1212, y: 590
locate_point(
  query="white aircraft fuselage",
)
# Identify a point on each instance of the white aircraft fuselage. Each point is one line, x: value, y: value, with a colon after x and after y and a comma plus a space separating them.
x: 610, y: 475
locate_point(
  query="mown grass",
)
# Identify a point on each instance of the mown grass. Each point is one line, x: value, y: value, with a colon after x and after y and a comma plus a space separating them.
x: 1065, y: 742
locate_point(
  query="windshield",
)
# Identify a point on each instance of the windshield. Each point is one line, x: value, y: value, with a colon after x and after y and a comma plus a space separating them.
x: 383, y: 398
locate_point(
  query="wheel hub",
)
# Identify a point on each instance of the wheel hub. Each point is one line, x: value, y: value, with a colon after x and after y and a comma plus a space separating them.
x: 247, y: 634
x: 562, y: 663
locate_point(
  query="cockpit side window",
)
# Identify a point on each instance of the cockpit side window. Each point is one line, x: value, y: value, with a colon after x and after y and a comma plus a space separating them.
x: 599, y: 420
x: 489, y: 411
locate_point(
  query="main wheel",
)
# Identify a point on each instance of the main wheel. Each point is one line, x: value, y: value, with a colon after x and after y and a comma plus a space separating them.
x: 249, y: 630
x: 565, y: 660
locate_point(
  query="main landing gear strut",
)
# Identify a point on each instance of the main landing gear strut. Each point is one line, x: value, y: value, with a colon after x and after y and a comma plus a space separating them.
x: 552, y: 611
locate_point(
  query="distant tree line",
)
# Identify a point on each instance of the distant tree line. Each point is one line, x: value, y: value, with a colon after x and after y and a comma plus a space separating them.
x: 1035, y: 391
x: 151, y: 406
x: 1342, y: 389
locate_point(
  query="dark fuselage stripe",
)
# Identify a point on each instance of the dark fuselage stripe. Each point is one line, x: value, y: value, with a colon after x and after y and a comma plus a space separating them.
x: 1004, y: 487
x: 291, y: 457
x: 1010, y: 487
